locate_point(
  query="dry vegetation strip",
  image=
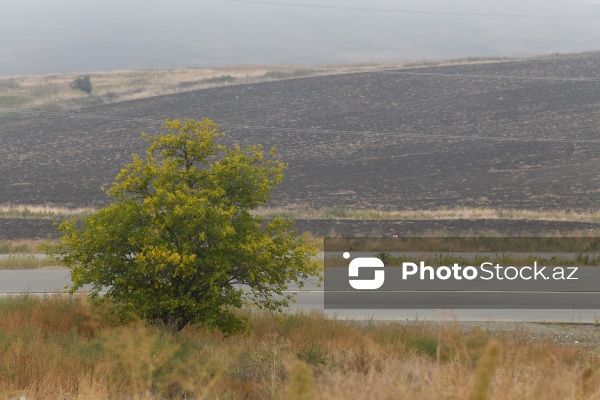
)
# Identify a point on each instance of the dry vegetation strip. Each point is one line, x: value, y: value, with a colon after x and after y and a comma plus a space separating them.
x: 54, y: 92
x: 24, y: 254
x: 43, y: 212
x: 17, y: 261
x: 305, y: 212
x: 55, y: 347
x: 20, y: 246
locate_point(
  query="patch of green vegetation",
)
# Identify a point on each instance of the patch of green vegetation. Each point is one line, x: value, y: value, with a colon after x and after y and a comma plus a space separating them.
x: 52, y: 106
x: 111, y: 96
x: 90, y: 101
x: 26, y: 262
x: 139, y: 81
x: 595, y: 218
x: 219, y: 79
x: 26, y: 213
x: 46, y: 91
x: 429, y: 63
x: 214, y: 80
x: 12, y: 101
x: 288, y: 74
x: 283, y: 214
x: 337, y: 212
x: 314, y: 355
x: 498, y: 245
x: 258, y: 364
x: 187, y: 84
x: 439, y: 259
x: 384, y: 257
x: 10, y: 248
x: 423, y: 345
x: 7, y: 84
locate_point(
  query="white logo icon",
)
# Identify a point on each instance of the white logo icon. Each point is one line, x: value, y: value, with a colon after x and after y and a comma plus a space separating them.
x: 365, y: 262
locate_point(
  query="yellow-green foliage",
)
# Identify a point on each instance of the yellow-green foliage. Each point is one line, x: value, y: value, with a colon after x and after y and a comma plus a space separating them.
x: 179, y: 239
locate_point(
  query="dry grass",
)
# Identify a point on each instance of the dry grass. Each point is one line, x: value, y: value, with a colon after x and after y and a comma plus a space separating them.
x: 41, y: 211
x: 53, y: 92
x: 21, y: 246
x: 24, y: 261
x: 24, y: 254
x: 305, y: 212
x: 55, y: 347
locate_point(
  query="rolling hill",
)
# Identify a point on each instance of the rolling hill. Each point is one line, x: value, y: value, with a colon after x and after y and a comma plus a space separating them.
x: 515, y: 134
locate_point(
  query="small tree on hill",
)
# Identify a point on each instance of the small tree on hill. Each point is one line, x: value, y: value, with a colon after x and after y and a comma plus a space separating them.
x: 179, y: 245
x: 83, y: 83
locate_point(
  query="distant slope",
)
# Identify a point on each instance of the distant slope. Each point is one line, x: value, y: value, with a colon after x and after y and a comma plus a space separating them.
x: 60, y: 36
x: 522, y: 134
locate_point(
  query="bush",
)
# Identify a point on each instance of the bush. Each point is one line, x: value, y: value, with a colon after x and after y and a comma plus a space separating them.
x: 314, y: 355
x: 179, y: 239
x: 83, y: 83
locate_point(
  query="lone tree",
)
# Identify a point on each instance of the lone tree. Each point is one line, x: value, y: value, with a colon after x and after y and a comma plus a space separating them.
x: 178, y: 245
x: 83, y: 83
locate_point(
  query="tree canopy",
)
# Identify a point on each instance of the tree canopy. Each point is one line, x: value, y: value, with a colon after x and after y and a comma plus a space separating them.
x: 83, y: 83
x: 178, y: 244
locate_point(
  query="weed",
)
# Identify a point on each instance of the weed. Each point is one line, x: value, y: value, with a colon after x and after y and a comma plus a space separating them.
x: 313, y: 354
x: 56, y: 347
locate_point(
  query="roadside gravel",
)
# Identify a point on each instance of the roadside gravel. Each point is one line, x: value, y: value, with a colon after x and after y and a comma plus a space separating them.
x: 586, y: 336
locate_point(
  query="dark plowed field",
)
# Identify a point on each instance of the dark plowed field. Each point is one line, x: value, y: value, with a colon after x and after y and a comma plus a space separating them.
x: 468, y: 125
x: 14, y: 228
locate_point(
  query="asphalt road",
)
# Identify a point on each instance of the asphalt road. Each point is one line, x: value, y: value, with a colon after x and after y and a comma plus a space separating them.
x: 311, y: 297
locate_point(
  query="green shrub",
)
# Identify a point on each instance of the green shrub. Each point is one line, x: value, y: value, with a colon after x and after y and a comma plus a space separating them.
x: 83, y: 83
x: 287, y: 74
x: 258, y: 365
x: 313, y: 354
x: 423, y: 345
x: 337, y: 213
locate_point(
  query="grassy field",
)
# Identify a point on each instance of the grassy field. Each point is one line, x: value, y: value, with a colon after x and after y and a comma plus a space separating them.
x: 54, y: 93
x: 56, y: 347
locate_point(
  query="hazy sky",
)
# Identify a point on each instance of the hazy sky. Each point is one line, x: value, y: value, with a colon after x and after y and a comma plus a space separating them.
x: 73, y: 36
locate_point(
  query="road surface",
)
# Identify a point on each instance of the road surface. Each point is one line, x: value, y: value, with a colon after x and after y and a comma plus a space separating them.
x: 311, y: 297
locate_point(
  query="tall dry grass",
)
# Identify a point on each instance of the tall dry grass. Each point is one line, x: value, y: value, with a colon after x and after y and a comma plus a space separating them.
x: 52, y: 93
x: 20, y: 246
x: 27, y: 261
x: 56, y: 348
x: 306, y: 212
x: 41, y: 211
